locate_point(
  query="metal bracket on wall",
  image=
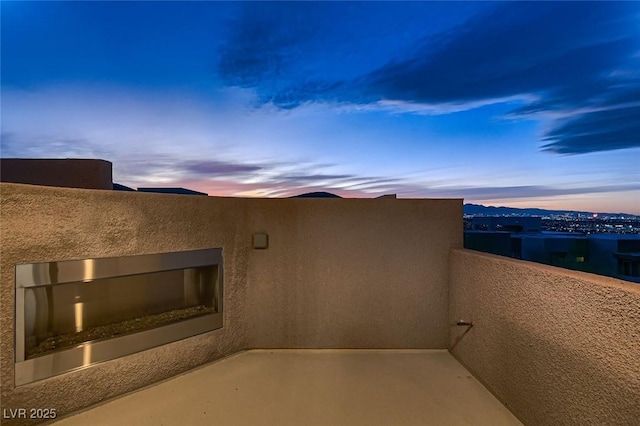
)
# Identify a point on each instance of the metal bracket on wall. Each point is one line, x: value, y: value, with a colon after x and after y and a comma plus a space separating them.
x: 462, y: 323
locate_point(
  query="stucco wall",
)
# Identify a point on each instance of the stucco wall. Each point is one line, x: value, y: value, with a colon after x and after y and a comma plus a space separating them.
x: 43, y: 223
x: 351, y: 273
x: 558, y: 347
x: 337, y: 273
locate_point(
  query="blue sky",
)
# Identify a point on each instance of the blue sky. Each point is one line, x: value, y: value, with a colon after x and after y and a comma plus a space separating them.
x: 501, y: 103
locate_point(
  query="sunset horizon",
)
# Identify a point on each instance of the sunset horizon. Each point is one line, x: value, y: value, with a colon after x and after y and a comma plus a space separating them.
x: 518, y: 104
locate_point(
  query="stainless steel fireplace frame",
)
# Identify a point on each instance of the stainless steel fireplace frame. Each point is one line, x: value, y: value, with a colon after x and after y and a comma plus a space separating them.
x: 92, y: 352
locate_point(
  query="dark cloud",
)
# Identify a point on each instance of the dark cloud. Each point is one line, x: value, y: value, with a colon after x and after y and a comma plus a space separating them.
x: 608, y: 121
x: 513, y: 49
x: 596, y: 131
x: 217, y: 168
x: 265, y: 49
x: 577, y: 61
x: 566, y: 54
x: 306, y: 91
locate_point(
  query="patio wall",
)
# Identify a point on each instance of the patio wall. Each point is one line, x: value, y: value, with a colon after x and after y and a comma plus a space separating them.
x: 328, y: 260
x: 45, y: 223
x: 557, y: 347
x: 368, y: 273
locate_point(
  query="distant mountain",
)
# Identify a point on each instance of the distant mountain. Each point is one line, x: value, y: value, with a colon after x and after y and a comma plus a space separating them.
x: 479, y: 209
x: 317, y: 195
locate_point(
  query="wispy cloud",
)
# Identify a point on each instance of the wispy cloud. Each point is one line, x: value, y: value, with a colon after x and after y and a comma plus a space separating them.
x: 217, y: 168
x: 529, y: 50
x: 528, y: 191
x: 168, y: 142
x: 267, y: 179
x: 567, y: 75
x: 596, y: 131
x: 16, y: 145
x: 431, y: 109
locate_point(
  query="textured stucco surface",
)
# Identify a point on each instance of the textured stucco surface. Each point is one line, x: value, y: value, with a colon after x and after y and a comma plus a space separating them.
x: 337, y: 273
x: 352, y: 273
x: 43, y: 223
x: 558, y: 347
x: 68, y: 172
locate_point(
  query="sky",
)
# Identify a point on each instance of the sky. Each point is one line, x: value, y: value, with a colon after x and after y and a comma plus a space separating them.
x: 521, y: 104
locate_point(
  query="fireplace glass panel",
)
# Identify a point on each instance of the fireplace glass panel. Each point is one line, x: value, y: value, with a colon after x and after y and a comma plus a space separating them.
x: 73, y: 314
x: 61, y: 316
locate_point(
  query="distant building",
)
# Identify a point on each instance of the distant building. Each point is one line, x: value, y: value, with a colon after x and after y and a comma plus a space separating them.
x: 564, y: 250
x: 60, y: 172
x: 614, y: 255
x: 183, y: 191
x: 617, y: 255
x: 496, y: 242
x: 118, y: 187
x: 507, y: 223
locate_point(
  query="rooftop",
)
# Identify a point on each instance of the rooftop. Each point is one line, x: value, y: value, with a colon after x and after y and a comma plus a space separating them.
x: 373, y: 295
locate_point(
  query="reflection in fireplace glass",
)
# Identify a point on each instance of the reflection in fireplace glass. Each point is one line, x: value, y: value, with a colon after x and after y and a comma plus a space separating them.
x: 63, y: 315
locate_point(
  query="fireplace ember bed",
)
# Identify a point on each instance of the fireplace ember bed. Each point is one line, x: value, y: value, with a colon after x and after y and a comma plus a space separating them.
x: 74, y: 314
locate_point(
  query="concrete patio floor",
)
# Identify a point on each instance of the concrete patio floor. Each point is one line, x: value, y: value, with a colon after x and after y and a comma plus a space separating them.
x: 311, y: 387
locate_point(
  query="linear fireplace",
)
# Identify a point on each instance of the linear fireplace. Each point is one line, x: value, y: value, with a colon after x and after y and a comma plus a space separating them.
x: 73, y: 314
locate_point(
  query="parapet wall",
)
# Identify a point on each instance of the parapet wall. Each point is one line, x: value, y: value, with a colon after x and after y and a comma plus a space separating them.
x: 367, y: 273
x: 338, y: 273
x: 557, y: 347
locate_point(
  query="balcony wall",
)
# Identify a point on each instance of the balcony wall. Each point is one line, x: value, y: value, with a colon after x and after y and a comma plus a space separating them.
x: 351, y: 273
x: 45, y: 223
x: 337, y: 273
x: 557, y: 347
